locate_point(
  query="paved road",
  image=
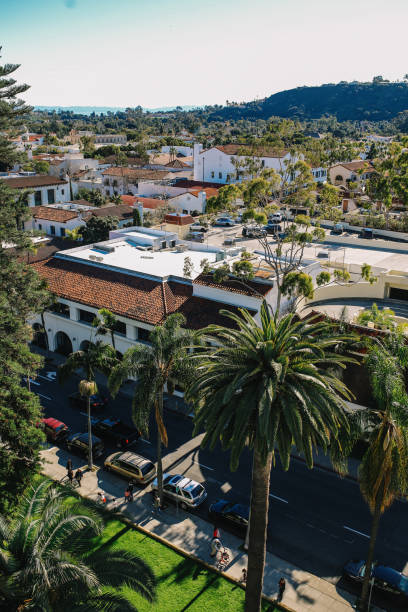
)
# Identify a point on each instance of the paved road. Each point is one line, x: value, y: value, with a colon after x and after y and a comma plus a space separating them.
x: 317, y: 520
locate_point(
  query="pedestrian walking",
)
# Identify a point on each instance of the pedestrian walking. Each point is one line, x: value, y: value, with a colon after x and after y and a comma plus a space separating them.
x: 282, y: 587
x: 215, y: 546
x: 78, y: 477
x: 69, y: 465
x: 244, y: 575
x: 101, y: 497
x: 131, y: 486
x: 157, y: 503
x: 127, y: 495
x: 71, y: 476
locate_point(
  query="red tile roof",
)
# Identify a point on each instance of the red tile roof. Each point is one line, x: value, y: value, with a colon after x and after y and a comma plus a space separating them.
x: 365, y: 165
x: 41, y: 180
x: 176, y: 219
x: 130, y: 296
x: 250, y: 288
x: 136, y: 173
x: 151, y: 203
x: 210, y: 191
x: 54, y: 214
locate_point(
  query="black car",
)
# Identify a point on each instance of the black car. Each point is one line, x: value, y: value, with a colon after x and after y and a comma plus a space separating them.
x: 98, y: 402
x: 385, y: 578
x: 113, y: 430
x: 230, y: 512
x: 272, y: 228
x: 79, y: 443
x: 367, y: 233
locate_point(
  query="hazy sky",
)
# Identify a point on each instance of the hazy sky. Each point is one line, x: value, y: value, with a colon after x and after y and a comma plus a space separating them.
x: 167, y: 52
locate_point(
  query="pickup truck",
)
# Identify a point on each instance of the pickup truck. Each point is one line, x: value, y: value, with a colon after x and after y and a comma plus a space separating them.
x: 114, y: 431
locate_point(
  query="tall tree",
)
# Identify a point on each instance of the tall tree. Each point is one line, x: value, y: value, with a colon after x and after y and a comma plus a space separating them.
x: 383, y: 470
x: 267, y: 386
x: 22, y: 294
x: 105, y: 323
x: 98, y: 357
x: 45, y: 562
x: 156, y: 366
x: 97, y: 228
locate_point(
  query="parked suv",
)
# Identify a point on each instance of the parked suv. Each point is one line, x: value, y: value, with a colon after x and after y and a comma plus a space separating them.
x: 277, y: 217
x: 131, y: 466
x: 225, y: 221
x: 253, y: 231
x: 79, y: 443
x: 272, y: 228
x: 188, y: 493
x: 54, y: 430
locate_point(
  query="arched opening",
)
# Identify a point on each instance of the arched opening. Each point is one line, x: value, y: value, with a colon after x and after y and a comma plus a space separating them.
x: 63, y: 344
x: 39, y: 338
x: 84, y: 346
x: 339, y: 177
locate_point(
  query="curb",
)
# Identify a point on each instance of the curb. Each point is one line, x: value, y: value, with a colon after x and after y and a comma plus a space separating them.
x: 134, y: 525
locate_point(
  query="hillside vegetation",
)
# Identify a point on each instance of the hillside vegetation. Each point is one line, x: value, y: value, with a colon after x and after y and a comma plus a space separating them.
x: 377, y: 101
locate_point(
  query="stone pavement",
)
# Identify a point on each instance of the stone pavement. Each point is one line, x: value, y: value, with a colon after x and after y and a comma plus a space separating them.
x: 304, y: 591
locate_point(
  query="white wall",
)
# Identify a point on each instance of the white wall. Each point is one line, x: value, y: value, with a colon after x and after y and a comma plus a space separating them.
x: 61, y: 192
x: 187, y: 202
x: 45, y: 225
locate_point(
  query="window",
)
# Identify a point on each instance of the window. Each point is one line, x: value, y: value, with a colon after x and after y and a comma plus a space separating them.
x: 212, y: 174
x: 51, y: 196
x: 163, y: 244
x: 120, y: 328
x: 60, y: 309
x: 85, y: 316
x: 37, y: 198
x: 52, y: 230
x: 39, y: 226
x: 228, y: 178
x: 339, y: 177
x: 143, y: 334
x: 220, y: 175
x: 62, y: 231
x: 263, y: 163
x: 62, y: 192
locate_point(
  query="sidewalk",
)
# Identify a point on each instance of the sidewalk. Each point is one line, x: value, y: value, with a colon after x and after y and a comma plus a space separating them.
x: 304, y: 591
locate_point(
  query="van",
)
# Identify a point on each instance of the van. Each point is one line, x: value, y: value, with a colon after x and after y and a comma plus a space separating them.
x: 131, y: 466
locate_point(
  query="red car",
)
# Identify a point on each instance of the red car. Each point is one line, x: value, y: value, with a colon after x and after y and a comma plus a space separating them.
x: 54, y: 429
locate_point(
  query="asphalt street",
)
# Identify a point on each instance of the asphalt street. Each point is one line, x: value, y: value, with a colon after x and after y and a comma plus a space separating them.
x: 316, y: 519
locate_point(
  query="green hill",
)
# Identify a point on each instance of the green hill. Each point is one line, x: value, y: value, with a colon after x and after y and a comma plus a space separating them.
x: 355, y: 101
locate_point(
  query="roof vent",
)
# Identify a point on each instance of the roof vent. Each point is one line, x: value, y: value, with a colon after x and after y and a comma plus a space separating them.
x: 180, y: 248
x: 108, y: 248
x: 93, y: 257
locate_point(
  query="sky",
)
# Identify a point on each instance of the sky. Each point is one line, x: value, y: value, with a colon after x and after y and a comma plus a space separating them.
x: 156, y: 53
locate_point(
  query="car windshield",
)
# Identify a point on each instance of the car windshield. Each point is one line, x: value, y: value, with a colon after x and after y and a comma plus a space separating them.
x: 59, y: 428
x: 197, y: 490
x: 146, y: 468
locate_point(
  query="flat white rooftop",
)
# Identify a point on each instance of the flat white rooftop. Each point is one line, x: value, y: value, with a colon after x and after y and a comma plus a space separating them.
x: 388, y: 260
x: 127, y: 257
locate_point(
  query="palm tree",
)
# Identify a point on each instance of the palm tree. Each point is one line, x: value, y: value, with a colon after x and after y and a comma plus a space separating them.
x: 105, y: 323
x: 162, y: 363
x: 98, y: 357
x: 267, y: 385
x: 384, y: 467
x: 45, y: 562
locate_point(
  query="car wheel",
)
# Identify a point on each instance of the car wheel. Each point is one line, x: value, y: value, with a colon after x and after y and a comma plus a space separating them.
x: 183, y: 506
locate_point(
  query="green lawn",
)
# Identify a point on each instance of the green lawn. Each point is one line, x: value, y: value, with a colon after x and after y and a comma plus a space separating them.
x: 183, y: 585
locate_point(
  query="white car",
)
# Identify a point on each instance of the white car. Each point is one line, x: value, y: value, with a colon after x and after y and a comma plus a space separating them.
x: 188, y: 493
x: 277, y: 217
x: 225, y: 221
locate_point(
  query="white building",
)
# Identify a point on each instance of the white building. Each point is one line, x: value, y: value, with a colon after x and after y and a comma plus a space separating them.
x: 102, y: 139
x: 141, y: 276
x: 58, y: 219
x: 44, y: 189
x: 121, y: 181
x: 192, y: 200
x: 216, y: 164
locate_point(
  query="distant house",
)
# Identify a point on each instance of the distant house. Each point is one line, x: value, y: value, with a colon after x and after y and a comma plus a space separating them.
x: 356, y: 171
x: 121, y: 181
x: 103, y: 139
x: 194, y: 200
x: 44, y: 189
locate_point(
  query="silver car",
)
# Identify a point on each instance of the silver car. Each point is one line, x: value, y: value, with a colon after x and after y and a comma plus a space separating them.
x: 188, y: 493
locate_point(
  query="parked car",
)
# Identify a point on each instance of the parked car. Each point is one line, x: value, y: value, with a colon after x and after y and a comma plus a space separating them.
x: 198, y: 227
x: 277, y: 217
x: 338, y: 228
x: 188, y: 493
x: 230, y: 512
x: 385, y: 578
x: 114, y: 430
x: 224, y: 221
x: 98, y: 402
x: 272, y: 228
x: 131, y: 466
x: 367, y: 232
x: 79, y: 443
x: 196, y: 236
x: 54, y: 429
x: 253, y: 231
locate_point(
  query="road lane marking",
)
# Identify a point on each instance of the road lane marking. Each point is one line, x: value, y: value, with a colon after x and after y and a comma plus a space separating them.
x: 204, y: 466
x: 355, y: 531
x: 50, y: 378
x: 285, y: 501
x: 44, y: 396
x: 32, y: 382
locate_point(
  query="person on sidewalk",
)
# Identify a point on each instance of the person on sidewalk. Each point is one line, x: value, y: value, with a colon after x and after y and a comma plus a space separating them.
x: 78, y: 477
x: 101, y: 497
x: 282, y: 587
x: 127, y: 495
x: 131, y: 486
x: 244, y: 575
x: 71, y: 476
x: 69, y: 465
x: 215, y: 546
x: 157, y: 506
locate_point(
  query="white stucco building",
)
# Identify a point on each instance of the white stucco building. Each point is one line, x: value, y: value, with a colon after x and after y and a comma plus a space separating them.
x: 44, y: 189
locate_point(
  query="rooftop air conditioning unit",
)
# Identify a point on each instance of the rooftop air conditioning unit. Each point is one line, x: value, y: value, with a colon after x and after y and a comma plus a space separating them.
x: 180, y: 248
x: 93, y: 257
x: 98, y: 258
